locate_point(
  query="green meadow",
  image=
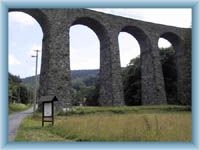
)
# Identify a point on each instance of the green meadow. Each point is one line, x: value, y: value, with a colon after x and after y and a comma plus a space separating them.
x: 135, y: 123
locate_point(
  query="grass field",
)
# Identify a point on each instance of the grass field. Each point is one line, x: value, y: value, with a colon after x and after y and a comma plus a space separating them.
x: 141, y: 123
x: 17, y: 107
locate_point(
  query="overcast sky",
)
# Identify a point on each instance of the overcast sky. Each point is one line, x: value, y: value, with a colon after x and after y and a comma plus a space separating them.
x: 25, y: 35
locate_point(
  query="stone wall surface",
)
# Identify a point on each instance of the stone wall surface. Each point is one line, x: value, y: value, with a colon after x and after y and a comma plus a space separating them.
x: 55, y: 69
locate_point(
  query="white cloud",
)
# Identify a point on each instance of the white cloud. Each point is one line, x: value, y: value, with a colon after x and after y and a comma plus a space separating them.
x: 13, y: 60
x: 180, y: 17
x: 21, y: 18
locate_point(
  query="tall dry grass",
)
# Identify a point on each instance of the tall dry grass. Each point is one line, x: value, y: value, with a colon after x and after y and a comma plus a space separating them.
x: 152, y: 123
x: 129, y: 127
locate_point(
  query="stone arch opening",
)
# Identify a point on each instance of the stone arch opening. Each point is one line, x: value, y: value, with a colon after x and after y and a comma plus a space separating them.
x: 104, y: 74
x: 81, y: 34
x: 140, y: 36
x: 131, y: 75
x: 43, y: 21
x: 25, y: 27
x: 163, y: 43
x: 175, y: 40
x: 22, y: 45
x: 84, y: 59
x: 129, y: 48
x: 143, y: 61
x: 96, y: 26
x: 37, y: 15
x: 170, y: 53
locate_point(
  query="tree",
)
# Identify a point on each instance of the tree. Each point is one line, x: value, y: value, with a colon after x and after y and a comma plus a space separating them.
x: 86, y: 91
x: 131, y: 77
x: 93, y: 95
x: 168, y: 61
x: 14, y: 81
x: 24, y: 94
x: 17, y: 91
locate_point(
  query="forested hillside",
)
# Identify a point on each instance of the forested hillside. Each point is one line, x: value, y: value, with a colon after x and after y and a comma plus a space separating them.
x: 75, y: 74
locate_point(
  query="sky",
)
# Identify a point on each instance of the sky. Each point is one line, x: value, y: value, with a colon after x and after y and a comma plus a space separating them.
x: 25, y: 35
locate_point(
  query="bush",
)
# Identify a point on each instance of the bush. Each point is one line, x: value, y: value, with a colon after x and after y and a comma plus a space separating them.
x: 17, y: 107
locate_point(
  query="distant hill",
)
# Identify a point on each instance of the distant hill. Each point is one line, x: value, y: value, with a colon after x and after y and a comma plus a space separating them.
x: 29, y: 80
x: 75, y: 74
x: 84, y: 73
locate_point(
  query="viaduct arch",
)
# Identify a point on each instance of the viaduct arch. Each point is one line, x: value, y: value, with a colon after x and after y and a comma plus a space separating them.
x: 55, y: 68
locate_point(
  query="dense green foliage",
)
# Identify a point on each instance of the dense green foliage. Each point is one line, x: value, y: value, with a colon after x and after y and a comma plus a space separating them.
x: 131, y: 76
x: 18, y: 92
x: 86, y: 91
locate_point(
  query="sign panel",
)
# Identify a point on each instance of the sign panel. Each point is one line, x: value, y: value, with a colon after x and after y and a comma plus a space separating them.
x: 47, y: 109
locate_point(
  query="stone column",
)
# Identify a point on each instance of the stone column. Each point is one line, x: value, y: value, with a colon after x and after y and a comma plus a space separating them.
x: 44, y: 66
x: 117, y: 86
x: 153, y: 88
x: 111, y: 89
x: 181, y: 87
x: 183, y: 64
x: 159, y: 85
x: 147, y: 77
x: 55, y: 70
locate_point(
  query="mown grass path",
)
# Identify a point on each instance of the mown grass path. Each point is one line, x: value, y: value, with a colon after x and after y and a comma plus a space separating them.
x: 15, y: 120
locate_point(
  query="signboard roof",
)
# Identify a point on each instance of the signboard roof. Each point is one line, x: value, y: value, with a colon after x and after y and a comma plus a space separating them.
x: 48, y: 98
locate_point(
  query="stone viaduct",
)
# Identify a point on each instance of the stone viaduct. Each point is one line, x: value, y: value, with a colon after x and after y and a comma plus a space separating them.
x: 55, y: 67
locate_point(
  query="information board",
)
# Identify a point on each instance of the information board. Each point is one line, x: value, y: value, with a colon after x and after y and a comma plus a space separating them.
x: 47, y: 109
